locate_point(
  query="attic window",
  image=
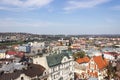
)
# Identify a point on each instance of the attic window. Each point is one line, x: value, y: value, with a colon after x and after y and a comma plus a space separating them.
x: 22, y: 78
x: 15, y: 70
x: 2, y: 73
x: 0, y: 66
x: 64, y: 59
x: 45, y: 73
x: 45, y: 79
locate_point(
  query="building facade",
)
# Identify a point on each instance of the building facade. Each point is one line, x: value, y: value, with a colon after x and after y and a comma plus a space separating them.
x: 58, y: 66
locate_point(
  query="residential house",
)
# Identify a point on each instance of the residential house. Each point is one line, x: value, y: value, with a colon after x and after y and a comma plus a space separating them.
x: 97, y: 67
x: 26, y: 49
x: 2, y: 54
x: 110, y: 55
x: 32, y: 72
x: 11, y: 53
x: 118, y: 70
x: 93, y: 52
x: 75, y: 46
x: 91, y: 68
x: 3, y: 61
x: 58, y: 49
x: 80, y: 67
x: 37, y: 47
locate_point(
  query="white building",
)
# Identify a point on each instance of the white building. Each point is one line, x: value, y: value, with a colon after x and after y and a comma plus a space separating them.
x: 36, y: 46
x: 58, y: 49
x: 2, y: 54
x: 31, y: 72
x: 58, y: 66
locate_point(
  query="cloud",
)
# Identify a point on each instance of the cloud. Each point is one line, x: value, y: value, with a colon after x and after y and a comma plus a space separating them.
x: 80, y: 4
x: 9, y: 8
x: 15, y: 9
x: 44, y: 27
x: 24, y: 4
x: 11, y: 22
x: 117, y: 7
x: 109, y: 20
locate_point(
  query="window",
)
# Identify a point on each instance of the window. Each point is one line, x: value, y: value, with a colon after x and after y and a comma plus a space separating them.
x: 71, y: 79
x: 45, y: 79
x: 64, y: 59
x: 53, y: 69
x: 22, y: 78
x: 45, y: 73
x: 61, y: 66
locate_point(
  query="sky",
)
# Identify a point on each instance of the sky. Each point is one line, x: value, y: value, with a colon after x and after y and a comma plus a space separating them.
x: 60, y: 16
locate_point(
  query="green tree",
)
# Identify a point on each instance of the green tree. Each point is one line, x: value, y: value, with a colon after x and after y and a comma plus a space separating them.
x: 79, y: 54
x: 111, y: 71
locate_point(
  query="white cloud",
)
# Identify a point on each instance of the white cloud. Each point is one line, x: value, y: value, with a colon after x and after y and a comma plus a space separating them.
x: 25, y: 4
x: 4, y: 8
x: 10, y: 22
x: 80, y: 4
x: 9, y: 8
x: 117, y: 7
x: 110, y: 20
x: 15, y: 9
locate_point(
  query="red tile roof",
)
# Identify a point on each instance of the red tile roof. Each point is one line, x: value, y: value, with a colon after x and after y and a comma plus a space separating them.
x: 101, y: 62
x: 112, y: 53
x: 83, y: 60
x: 11, y: 52
x: 19, y: 54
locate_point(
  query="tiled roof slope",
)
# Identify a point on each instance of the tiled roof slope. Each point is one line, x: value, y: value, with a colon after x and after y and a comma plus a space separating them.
x: 32, y: 71
x: 100, y: 61
x: 83, y: 60
x: 55, y: 59
x: 118, y: 69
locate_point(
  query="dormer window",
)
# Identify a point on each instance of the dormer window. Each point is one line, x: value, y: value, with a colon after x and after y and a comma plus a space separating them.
x: 65, y: 59
x: 22, y: 78
x: 45, y: 73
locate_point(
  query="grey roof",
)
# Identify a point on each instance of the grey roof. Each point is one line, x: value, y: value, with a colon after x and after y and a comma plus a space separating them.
x: 56, y: 59
x: 92, y: 51
x: 32, y: 71
x: 10, y: 67
x: 70, y: 53
x: 92, y: 78
x: 2, y: 51
x: 110, y: 49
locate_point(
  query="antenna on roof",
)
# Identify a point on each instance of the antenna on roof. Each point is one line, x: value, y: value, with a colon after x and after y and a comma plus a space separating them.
x: 102, y: 55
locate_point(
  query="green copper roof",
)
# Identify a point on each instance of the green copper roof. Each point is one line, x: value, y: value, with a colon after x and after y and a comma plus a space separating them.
x: 56, y: 59
x: 67, y: 51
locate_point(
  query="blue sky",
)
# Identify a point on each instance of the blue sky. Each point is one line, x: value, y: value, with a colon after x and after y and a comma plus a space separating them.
x: 60, y: 16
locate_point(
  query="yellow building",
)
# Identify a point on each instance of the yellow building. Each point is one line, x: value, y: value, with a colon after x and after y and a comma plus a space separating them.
x: 2, y: 55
